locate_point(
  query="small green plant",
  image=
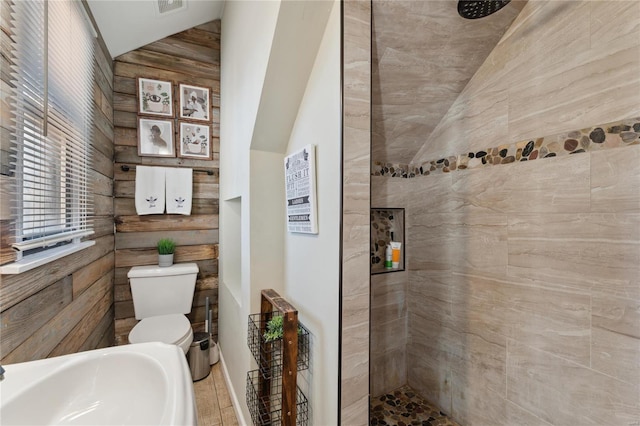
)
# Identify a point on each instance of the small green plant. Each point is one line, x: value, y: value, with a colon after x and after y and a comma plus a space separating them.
x: 275, y: 330
x: 166, y: 246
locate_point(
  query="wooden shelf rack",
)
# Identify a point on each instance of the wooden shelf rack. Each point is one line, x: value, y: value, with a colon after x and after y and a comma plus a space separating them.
x: 273, y: 396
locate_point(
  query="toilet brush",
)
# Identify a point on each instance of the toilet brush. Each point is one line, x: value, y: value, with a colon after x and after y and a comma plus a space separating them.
x: 214, y: 354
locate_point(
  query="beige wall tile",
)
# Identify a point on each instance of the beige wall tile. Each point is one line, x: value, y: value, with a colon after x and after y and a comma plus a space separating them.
x: 431, y: 194
x: 478, y: 366
x: 430, y: 294
x: 428, y: 245
x: 388, y: 370
x: 419, y: 74
x: 541, y: 186
x: 615, y: 346
x: 388, y: 297
x: 476, y: 406
x: 388, y: 336
x: 490, y: 409
x: 618, y: 227
x: 544, y: 318
x: 616, y: 314
x: 356, y: 413
x: 451, y: 136
x: 613, y: 22
x: 387, y: 192
x: 597, y: 263
x: 355, y: 364
x: 355, y: 310
x: 563, y: 96
x: 560, y: 72
x: 616, y: 354
x: 579, y: 256
x: 615, y: 177
x: 515, y: 415
x: 457, y: 241
x: 562, y: 392
x: 429, y: 373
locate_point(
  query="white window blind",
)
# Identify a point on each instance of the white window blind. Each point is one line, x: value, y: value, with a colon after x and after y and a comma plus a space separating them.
x: 52, y: 75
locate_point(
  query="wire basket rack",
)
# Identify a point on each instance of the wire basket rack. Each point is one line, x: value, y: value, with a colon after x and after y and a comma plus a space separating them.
x: 268, y: 355
x: 267, y: 410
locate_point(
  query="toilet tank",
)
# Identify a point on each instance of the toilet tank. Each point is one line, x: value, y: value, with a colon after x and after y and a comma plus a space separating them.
x: 162, y: 291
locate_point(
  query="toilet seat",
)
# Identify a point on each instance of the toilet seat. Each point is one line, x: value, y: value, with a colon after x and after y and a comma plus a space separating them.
x: 172, y: 329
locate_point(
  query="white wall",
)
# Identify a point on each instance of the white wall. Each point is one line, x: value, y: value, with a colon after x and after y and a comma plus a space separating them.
x: 247, y: 32
x: 312, y: 261
x: 302, y: 268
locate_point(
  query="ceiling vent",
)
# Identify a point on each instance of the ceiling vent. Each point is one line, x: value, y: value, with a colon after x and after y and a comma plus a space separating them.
x: 171, y: 6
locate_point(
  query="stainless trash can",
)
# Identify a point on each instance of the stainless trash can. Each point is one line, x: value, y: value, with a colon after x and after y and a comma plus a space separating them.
x: 198, y: 356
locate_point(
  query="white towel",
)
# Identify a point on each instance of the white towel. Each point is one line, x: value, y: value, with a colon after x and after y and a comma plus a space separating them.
x: 150, y: 182
x: 179, y: 190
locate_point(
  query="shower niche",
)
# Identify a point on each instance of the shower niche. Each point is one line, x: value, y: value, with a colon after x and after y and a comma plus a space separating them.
x: 387, y: 225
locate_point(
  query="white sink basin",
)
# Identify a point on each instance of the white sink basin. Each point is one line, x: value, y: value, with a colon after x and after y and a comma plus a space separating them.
x: 142, y: 384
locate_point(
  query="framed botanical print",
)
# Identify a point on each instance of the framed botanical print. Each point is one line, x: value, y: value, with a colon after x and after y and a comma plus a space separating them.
x: 155, y: 97
x: 194, y: 140
x: 195, y: 103
x: 155, y: 137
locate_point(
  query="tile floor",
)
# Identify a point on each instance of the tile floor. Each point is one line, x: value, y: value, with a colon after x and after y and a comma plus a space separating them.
x: 404, y: 407
x: 213, y: 401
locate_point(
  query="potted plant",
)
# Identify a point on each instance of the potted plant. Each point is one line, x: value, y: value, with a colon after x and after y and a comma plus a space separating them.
x: 275, y: 329
x: 166, y: 249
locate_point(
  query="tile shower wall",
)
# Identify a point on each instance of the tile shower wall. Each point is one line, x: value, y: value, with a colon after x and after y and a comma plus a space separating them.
x: 388, y: 367
x: 523, y: 288
x: 526, y: 291
x: 518, y: 307
x: 356, y: 202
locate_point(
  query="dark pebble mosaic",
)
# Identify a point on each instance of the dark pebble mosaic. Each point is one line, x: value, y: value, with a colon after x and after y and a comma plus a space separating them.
x: 382, y: 228
x: 608, y: 136
x: 404, y: 407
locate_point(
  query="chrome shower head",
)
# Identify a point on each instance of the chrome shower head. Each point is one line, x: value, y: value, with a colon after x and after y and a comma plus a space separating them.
x: 474, y: 9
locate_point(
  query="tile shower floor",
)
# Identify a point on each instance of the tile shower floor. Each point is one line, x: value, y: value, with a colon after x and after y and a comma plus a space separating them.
x: 404, y: 407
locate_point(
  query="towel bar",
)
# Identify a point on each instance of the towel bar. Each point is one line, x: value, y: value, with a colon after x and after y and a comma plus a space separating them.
x: 126, y: 168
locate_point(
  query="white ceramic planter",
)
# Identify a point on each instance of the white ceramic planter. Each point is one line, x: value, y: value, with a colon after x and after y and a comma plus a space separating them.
x: 165, y: 260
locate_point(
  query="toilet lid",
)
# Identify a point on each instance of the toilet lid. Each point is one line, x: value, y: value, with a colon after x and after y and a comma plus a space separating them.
x: 164, y: 328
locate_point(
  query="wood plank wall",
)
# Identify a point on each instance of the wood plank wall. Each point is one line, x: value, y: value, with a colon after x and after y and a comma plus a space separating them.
x: 65, y: 306
x: 192, y: 57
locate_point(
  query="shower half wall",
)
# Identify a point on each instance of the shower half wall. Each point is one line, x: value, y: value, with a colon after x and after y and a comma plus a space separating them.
x: 522, y: 297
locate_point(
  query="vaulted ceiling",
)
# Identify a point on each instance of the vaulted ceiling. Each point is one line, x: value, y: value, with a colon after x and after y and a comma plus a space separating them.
x: 126, y: 25
x: 423, y: 55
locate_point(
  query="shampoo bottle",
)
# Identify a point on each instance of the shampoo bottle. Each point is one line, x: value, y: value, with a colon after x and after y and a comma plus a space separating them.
x: 387, y: 257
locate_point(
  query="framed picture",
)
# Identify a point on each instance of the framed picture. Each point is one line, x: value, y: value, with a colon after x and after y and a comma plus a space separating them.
x: 155, y: 138
x: 300, y: 190
x: 195, y: 103
x: 155, y: 97
x: 195, y: 141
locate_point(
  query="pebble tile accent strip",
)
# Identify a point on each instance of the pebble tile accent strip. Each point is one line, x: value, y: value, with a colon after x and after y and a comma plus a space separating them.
x: 607, y: 136
x: 404, y: 407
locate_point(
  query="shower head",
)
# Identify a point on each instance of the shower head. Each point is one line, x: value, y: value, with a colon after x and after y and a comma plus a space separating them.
x: 474, y: 9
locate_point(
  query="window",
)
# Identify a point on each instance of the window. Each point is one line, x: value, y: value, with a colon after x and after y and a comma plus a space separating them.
x: 52, y: 79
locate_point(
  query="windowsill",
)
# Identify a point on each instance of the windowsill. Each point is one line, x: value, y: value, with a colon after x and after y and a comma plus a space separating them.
x: 31, y: 262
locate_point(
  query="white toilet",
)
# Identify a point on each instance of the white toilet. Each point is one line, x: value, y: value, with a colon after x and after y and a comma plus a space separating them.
x: 161, y: 297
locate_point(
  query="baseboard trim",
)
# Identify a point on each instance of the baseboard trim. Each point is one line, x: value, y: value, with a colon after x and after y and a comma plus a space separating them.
x: 232, y: 391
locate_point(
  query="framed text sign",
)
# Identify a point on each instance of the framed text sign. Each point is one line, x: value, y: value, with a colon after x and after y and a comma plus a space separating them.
x: 300, y: 181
